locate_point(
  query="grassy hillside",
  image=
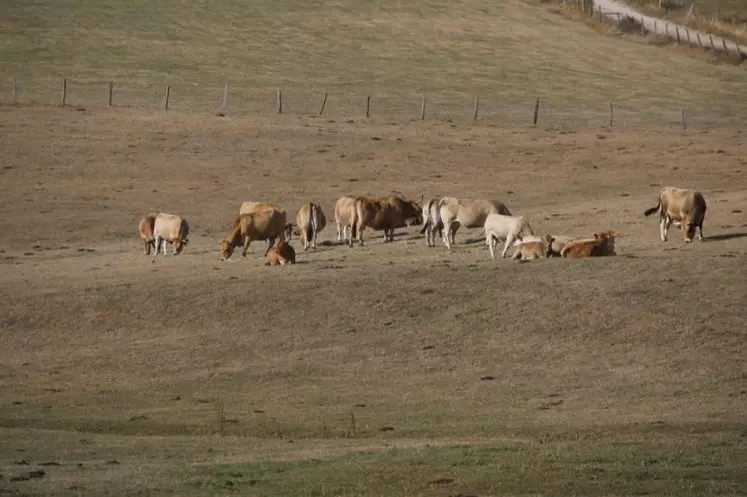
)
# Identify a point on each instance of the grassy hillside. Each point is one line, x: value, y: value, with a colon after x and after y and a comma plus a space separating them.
x: 508, y: 52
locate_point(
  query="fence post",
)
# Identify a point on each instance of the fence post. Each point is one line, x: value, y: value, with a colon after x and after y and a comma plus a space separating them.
x: 656, y: 27
x: 64, y: 92
x: 477, y: 106
x: 368, y: 106
x: 683, y: 120
x: 689, y: 40
x: 713, y: 47
x: 14, y: 92
x: 612, y: 114
x: 723, y: 41
x: 324, y: 102
x: 677, y: 30
x: 225, y: 97
x: 111, y: 92
x: 666, y: 29
x: 166, y: 100
x: 536, y: 111
x: 700, y: 42
x: 643, y: 26
x: 422, y: 108
x: 280, y: 101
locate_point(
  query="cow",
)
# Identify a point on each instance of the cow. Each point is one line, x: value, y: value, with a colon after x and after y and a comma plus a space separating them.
x: 281, y: 253
x: 603, y: 244
x: 510, y: 228
x: 263, y: 225
x: 387, y: 213
x: 310, y: 220
x: 686, y: 208
x: 250, y: 207
x: 557, y: 244
x: 468, y: 213
x: 145, y: 227
x: 533, y: 249
x: 431, y: 222
x: 345, y: 217
x: 170, y: 228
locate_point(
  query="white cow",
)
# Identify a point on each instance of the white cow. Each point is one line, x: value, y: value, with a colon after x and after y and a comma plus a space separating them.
x: 498, y: 226
x: 431, y: 221
x: 170, y: 228
x: 470, y: 213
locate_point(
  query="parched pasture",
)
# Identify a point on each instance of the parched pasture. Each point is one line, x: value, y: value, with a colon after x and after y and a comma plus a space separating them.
x: 387, y: 369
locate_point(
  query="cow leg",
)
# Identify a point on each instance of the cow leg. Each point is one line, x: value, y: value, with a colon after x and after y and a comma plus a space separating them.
x: 446, y: 240
x: 247, y: 241
x: 509, y: 240
x: 313, y: 240
x: 147, y: 247
x: 491, y: 245
x: 663, y: 228
x: 700, y: 232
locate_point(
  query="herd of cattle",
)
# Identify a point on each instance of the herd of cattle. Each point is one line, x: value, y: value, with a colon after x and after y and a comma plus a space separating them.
x: 266, y: 221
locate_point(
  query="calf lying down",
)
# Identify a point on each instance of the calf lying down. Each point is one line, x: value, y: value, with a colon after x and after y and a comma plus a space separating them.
x: 539, y: 247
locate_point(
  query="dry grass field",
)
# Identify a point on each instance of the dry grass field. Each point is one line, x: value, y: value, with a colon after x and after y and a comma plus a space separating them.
x: 388, y: 369
x: 378, y: 370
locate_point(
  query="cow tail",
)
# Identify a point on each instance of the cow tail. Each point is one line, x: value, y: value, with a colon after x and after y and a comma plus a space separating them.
x: 312, y: 226
x: 650, y: 211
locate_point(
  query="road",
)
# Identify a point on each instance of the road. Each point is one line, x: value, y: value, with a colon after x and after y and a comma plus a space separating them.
x: 614, y: 10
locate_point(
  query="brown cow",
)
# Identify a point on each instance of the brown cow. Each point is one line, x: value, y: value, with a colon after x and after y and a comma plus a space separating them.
x: 345, y: 218
x: 250, y: 207
x: 265, y: 225
x: 603, y: 244
x: 170, y: 228
x: 533, y: 249
x: 145, y: 227
x: 281, y: 253
x: 686, y: 208
x: 387, y: 213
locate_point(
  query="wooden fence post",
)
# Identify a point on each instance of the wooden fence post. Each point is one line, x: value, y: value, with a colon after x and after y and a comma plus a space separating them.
x: 643, y: 26
x: 612, y: 114
x: 682, y: 119
x: 280, y: 101
x: 368, y: 106
x: 677, y: 30
x: 168, y: 95
x: 64, y: 92
x: 422, y: 108
x: 656, y: 27
x: 536, y: 111
x: 689, y: 40
x: 324, y: 102
x: 14, y: 92
x: 111, y: 92
x: 477, y: 106
x: 723, y: 41
x: 700, y: 42
x: 713, y: 47
x: 225, y: 97
x: 666, y: 29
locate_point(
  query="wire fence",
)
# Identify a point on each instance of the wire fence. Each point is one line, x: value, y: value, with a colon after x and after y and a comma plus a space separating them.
x: 524, y: 109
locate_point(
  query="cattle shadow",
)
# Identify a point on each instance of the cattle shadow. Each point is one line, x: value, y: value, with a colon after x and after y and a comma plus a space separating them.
x: 725, y: 236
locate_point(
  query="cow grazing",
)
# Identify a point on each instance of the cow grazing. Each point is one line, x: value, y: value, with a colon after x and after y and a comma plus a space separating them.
x: 510, y: 228
x: 686, y: 208
x: 170, y: 228
x: 345, y: 218
x: 431, y: 222
x: 145, y: 227
x: 468, y: 213
x: 387, y: 213
x: 603, y: 244
x: 310, y: 220
x: 533, y: 249
x: 264, y: 225
x: 281, y: 253
x: 250, y: 207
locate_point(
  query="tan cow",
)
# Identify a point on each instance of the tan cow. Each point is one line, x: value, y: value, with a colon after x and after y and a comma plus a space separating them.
x: 557, y: 244
x: 686, y: 208
x: 387, y: 213
x: 509, y: 228
x: 533, y: 249
x: 470, y: 213
x: 170, y: 228
x: 250, y: 207
x: 264, y: 225
x: 345, y: 218
x: 281, y: 253
x: 310, y: 220
x: 431, y: 222
x: 603, y: 244
x: 145, y: 227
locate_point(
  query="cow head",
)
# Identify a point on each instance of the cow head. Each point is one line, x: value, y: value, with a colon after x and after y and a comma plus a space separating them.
x: 549, y: 239
x: 689, y: 229
x: 178, y: 245
x: 413, y: 212
x: 226, y: 249
x: 289, y: 231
